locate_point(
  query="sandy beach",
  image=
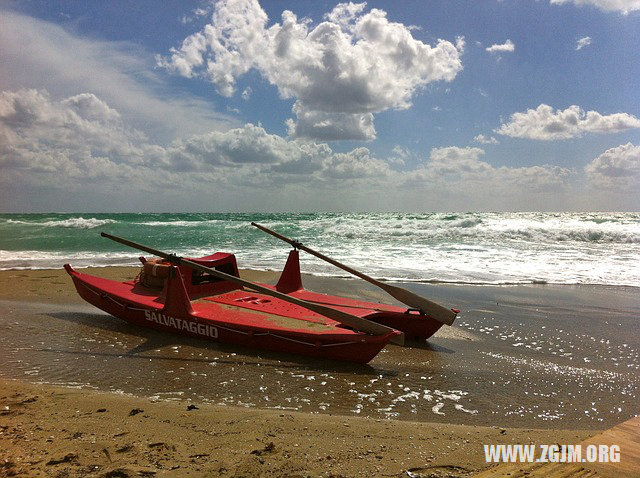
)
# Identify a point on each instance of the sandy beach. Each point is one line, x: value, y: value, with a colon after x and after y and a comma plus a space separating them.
x: 53, y: 431
x: 84, y: 394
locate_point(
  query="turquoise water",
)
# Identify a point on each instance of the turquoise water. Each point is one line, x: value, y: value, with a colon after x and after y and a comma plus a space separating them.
x: 485, y: 248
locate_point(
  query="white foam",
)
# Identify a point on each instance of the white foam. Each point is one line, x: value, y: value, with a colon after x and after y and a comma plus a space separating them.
x: 24, y: 260
x: 170, y: 223
x: 477, y: 248
x: 72, y: 222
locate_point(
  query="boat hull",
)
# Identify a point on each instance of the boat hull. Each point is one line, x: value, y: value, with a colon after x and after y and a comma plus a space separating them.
x: 174, y: 315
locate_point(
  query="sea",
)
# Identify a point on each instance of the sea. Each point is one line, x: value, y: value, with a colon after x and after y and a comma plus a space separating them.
x: 544, y: 337
x: 467, y: 248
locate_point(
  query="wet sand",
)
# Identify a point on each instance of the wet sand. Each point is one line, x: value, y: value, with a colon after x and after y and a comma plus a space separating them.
x: 525, y: 364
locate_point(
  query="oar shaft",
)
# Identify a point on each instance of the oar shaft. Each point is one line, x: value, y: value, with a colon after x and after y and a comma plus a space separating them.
x: 140, y: 247
x: 438, y: 312
x: 356, y: 323
x: 319, y: 255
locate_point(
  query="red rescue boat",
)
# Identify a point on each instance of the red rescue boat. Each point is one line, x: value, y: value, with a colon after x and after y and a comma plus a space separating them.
x: 206, y: 298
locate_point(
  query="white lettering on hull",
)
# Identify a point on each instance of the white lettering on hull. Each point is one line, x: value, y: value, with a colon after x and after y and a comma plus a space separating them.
x: 181, y: 324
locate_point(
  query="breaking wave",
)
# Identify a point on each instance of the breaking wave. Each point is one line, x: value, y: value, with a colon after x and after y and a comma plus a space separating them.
x: 490, y: 227
x: 72, y: 222
x: 478, y: 248
x: 193, y: 223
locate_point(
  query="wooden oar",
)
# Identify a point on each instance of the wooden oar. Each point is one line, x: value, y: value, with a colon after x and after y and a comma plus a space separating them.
x: 356, y: 323
x: 438, y: 312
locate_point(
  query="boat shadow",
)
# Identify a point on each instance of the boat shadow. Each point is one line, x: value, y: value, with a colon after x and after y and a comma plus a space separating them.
x: 156, y: 340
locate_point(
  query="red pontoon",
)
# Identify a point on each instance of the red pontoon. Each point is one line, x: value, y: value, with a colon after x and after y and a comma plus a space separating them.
x: 205, y: 298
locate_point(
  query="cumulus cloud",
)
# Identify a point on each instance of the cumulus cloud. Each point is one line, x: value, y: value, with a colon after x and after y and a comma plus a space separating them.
x: 198, y: 12
x: 340, y: 72
x: 545, y: 124
x: 453, y: 167
x: 41, y: 55
x: 82, y: 137
x: 622, y: 6
x: 250, y: 144
x: 42, y: 134
x: 81, y: 143
x: 482, y: 139
x: 356, y: 164
x: 77, y: 149
x: 457, y: 161
x: 505, y: 47
x: 582, y: 43
x: 616, y: 167
x: 330, y: 126
x: 399, y: 156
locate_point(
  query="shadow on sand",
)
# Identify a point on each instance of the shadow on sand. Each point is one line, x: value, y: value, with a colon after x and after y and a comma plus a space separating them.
x: 154, y: 340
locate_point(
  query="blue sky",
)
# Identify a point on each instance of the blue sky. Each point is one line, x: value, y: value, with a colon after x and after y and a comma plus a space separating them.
x: 240, y: 105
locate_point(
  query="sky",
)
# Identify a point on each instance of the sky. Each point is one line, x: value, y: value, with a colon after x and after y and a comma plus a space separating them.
x: 240, y: 105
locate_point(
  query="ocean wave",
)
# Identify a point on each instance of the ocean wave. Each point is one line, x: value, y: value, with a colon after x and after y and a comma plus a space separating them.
x: 28, y: 260
x: 172, y: 223
x: 446, y: 267
x: 72, y: 223
x: 478, y: 248
x: 493, y: 228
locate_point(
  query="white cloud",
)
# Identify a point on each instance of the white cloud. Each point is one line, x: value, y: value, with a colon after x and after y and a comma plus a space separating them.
x: 401, y: 151
x: 198, y: 12
x: 41, y: 55
x: 356, y: 164
x: 399, y: 156
x: 330, y: 126
x: 545, y: 124
x: 583, y: 42
x: 617, y: 167
x: 83, y: 137
x: 505, y: 47
x: 455, y: 160
x: 340, y: 72
x: 442, y: 161
x: 454, y: 167
x: 246, y: 145
x: 460, y: 174
x: 622, y: 6
x: 482, y: 139
x: 81, y: 147
x: 79, y: 137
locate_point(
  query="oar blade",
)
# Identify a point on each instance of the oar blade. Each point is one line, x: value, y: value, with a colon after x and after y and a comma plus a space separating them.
x: 437, y: 311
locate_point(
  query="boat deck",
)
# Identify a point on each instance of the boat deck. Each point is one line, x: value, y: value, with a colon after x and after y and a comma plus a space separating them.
x: 238, y: 307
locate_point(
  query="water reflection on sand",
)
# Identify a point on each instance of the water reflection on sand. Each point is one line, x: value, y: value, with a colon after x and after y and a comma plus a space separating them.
x: 516, y: 356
